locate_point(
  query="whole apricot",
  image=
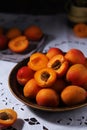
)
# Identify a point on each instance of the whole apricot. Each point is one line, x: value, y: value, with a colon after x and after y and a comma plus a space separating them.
x: 73, y: 95
x: 47, y: 97
x: 24, y: 74
x: 31, y: 88
x: 75, y: 56
x: 13, y: 33
x: 77, y: 74
x: 53, y: 51
x: 33, y: 33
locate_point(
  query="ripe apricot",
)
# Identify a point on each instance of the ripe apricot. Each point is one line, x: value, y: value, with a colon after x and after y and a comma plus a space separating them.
x: 59, y: 64
x: 31, y: 88
x: 80, y: 30
x: 24, y: 74
x: 13, y: 33
x: 33, y: 32
x: 73, y: 95
x: 47, y: 97
x: 37, y: 61
x: 7, y: 117
x: 18, y: 44
x: 45, y: 77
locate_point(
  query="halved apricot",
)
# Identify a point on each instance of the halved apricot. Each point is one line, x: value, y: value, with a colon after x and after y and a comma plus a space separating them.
x: 33, y: 32
x: 18, y: 44
x: 7, y: 117
x: 80, y: 30
x: 45, y: 77
x: 37, y: 61
x: 59, y: 64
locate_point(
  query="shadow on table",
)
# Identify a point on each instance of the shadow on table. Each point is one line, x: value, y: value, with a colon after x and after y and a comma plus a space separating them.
x: 73, y: 118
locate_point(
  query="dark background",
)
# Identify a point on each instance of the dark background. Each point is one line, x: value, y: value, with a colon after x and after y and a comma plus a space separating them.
x: 32, y: 6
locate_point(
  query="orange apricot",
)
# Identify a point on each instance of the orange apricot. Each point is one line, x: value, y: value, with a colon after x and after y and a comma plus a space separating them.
x: 80, y: 30
x: 18, y: 44
x: 31, y: 88
x: 45, y: 77
x: 33, y: 32
x: 47, y: 97
x: 37, y: 61
x: 24, y: 74
x: 13, y: 33
x: 7, y: 117
x: 59, y: 64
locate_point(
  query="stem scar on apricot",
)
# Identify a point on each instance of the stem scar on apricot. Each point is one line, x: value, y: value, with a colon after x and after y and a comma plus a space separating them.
x: 44, y: 76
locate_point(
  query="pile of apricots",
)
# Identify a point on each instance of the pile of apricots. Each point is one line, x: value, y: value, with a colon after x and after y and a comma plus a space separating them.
x: 17, y: 40
x: 55, y: 78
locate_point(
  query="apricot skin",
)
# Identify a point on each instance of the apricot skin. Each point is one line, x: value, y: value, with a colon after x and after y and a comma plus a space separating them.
x: 73, y: 95
x: 24, y: 74
x: 77, y: 74
x: 75, y: 56
x: 53, y: 51
x: 31, y: 89
x: 47, y: 97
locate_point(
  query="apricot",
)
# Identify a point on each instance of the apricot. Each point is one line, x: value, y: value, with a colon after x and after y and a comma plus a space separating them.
x: 33, y: 33
x: 37, y: 61
x: 18, y: 44
x: 45, y: 77
x: 47, y: 97
x: 75, y: 56
x: 59, y: 85
x: 59, y: 64
x: 24, y: 74
x: 13, y: 33
x: 73, y: 95
x: 3, y: 42
x: 53, y: 51
x: 7, y: 117
x: 31, y: 88
x: 77, y: 74
x: 80, y: 30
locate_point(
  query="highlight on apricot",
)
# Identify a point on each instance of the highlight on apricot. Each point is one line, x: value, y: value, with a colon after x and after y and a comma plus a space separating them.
x: 37, y: 61
x: 18, y: 44
x: 45, y: 77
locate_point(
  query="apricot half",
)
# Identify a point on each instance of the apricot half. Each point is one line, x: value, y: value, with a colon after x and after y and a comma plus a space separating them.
x: 7, y: 117
x: 47, y: 97
x: 37, y: 61
x: 45, y: 77
x: 59, y: 64
x: 18, y: 44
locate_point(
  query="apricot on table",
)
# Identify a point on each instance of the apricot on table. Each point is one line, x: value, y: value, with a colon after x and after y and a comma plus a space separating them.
x: 7, y: 117
x: 77, y: 74
x: 47, y: 97
x: 75, y: 56
x: 18, y: 44
x: 73, y: 95
x: 45, y: 77
x: 13, y: 33
x: 53, y: 51
x: 59, y: 64
x: 80, y: 30
x: 31, y: 88
x: 33, y: 33
x: 24, y: 74
x: 37, y: 61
